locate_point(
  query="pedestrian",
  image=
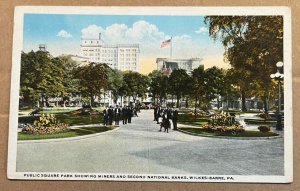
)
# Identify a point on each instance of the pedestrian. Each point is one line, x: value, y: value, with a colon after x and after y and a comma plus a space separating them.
x: 155, y: 114
x: 124, y: 115
x: 169, y: 113
x: 117, y: 113
x: 129, y: 114
x: 159, y: 114
x: 110, y: 115
x: 105, y: 116
x: 174, y: 119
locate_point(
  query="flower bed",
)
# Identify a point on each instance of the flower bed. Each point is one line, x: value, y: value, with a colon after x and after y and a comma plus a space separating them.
x: 46, y: 124
x: 223, y: 123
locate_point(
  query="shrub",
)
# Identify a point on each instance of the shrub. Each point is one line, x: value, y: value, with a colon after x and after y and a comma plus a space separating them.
x: 234, y: 129
x: 264, y: 128
x: 46, y: 124
x: 264, y: 116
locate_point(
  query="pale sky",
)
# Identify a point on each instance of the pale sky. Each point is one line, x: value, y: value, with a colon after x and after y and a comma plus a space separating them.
x: 62, y: 34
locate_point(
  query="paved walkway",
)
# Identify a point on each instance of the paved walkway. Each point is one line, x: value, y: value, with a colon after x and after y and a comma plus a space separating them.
x: 140, y: 148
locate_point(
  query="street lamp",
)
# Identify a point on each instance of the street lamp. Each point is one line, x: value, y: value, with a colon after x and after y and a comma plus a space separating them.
x: 279, y: 77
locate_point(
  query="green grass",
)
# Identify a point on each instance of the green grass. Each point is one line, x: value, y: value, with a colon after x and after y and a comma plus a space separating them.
x: 54, y: 111
x: 79, y: 119
x: 189, y: 118
x: 67, y: 118
x: 200, y: 131
x: 25, y: 110
x: 68, y: 133
x: 260, y: 121
x: 197, y: 123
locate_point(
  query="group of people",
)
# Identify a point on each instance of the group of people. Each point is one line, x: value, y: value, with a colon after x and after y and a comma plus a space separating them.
x: 163, y: 117
x: 118, y: 113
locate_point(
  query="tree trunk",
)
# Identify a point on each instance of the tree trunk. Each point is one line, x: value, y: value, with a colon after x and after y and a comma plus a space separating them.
x: 266, y: 104
x: 227, y: 101
x: 187, y: 102
x: 244, y: 108
x: 178, y: 98
x: 92, y: 99
x: 195, y: 111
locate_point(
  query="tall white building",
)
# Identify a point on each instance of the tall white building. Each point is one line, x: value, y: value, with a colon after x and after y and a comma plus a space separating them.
x: 120, y: 56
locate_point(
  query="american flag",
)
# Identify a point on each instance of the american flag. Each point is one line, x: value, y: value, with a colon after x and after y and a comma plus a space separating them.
x: 165, y: 43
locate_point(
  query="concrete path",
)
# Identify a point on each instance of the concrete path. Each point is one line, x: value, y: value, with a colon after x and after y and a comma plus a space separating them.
x: 140, y: 148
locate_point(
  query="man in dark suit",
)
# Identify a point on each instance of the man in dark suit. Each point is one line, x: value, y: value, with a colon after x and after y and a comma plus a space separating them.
x: 155, y: 113
x: 124, y: 115
x: 129, y: 114
x: 110, y: 115
x: 117, y: 113
x: 174, y: 119
x: 105, y: 116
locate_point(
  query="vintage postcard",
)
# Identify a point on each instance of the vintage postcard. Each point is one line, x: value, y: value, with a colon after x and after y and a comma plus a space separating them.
x: 182, y: 94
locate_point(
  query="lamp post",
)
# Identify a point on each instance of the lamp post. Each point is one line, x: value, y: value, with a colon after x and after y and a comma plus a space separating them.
x: 279, y: 77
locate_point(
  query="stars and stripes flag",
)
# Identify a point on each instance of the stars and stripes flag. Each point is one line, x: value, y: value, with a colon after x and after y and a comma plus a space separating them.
x: 165, y: 43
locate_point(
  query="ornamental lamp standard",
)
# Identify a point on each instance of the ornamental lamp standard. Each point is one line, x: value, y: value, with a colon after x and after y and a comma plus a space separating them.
x: 279, y: 77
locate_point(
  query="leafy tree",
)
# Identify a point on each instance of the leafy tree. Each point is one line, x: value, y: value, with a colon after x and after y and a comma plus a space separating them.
x: 41, y: 77
x: 198, y: 88
x: 70, y: 83
x: 215, y: 83
x: 135, y: 84
x: 178, y: 81
x: 115, y: 83
x: 92, y: 79
x: 158, y: 85
x: 253, y: 45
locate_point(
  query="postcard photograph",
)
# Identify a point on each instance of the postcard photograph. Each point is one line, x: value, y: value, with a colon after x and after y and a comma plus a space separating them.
x: 183, y: 94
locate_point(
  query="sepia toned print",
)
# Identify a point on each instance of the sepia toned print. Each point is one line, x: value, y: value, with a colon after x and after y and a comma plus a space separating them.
x: 151, y: 94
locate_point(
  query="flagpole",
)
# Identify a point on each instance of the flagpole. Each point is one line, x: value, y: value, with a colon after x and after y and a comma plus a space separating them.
x: 171, y: 48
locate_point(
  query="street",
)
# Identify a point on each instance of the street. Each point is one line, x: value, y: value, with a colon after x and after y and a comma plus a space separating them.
x: 140, y: 148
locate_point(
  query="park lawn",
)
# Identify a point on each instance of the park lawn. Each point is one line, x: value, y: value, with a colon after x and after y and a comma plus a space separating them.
x: 67, y: 118
x: 69, y: 133
x: 79, y: 119
x: 200, y: 132
x: 57, y: 110
x: 196, y: 123
x: 189, y: 118
x: 261, y: 121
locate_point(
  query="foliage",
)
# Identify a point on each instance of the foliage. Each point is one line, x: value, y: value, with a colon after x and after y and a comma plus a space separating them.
x: 45, y: 125
x: 234, y: 129
x: 70, y: 83
x: 222, y: 118
x: 264, y: 116
x: 159, y: 83
x: 178, y: 83
x: 135, y: 84
x: 41, y: 77
x: 68, y: 133
x: 223, y: 122
x: 115, y: 83
x: 264, y: 128
x: 253, y: 46
x: 92, y: 79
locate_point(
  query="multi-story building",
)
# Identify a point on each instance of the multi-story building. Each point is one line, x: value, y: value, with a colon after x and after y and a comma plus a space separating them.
x: 120, y: 56
x: 167, y: 65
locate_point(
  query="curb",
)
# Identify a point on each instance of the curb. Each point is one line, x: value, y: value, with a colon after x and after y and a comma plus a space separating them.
x: 67, y: 138
x: 236, y: 138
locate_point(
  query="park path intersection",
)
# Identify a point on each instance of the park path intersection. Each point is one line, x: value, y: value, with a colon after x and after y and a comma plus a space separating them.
x: 139, y: 148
